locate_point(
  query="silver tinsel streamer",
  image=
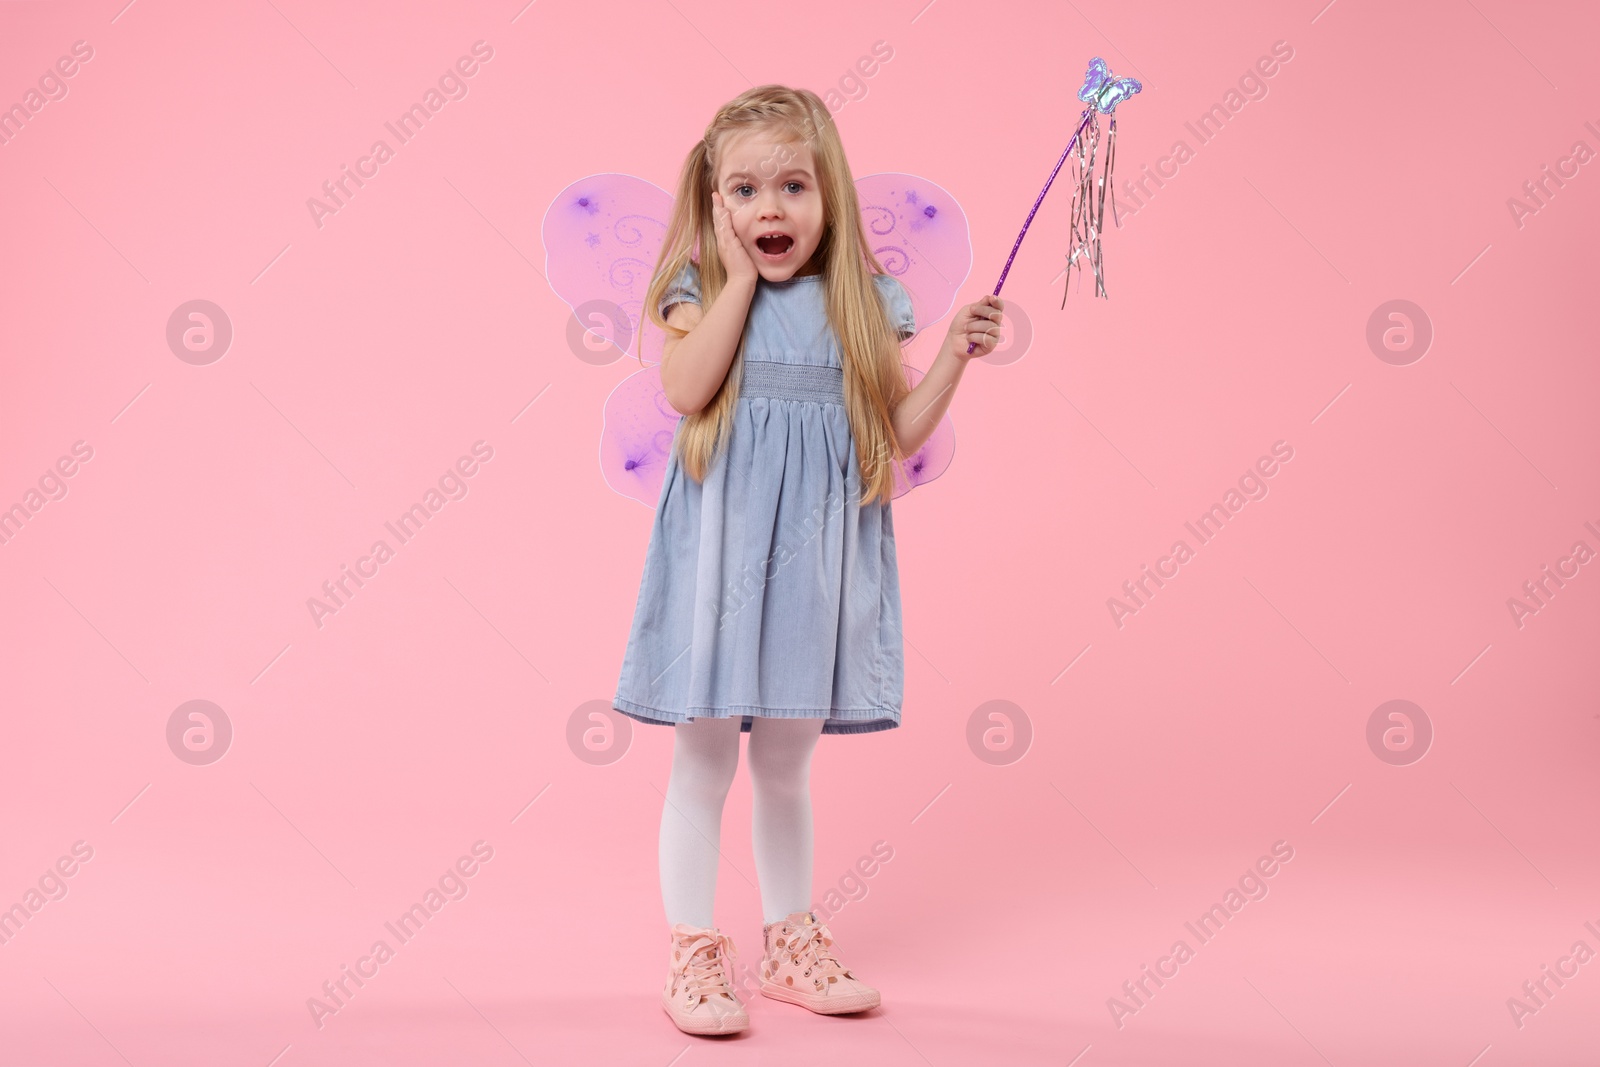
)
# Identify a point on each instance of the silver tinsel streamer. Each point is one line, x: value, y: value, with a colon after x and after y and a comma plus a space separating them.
x: 1089, y: 204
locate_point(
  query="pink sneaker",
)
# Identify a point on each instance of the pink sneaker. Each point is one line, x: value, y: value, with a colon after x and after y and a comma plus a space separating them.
x: 799, y: 968
x: 698, y: 996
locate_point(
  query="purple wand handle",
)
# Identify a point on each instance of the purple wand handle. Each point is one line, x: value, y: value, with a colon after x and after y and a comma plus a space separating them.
x: 1087, y: 113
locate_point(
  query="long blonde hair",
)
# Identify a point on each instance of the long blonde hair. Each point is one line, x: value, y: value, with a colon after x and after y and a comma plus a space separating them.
x: 874, y: 378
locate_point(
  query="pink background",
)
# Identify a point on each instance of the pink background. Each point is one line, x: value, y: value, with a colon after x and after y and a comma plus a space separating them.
x: 433, y: 711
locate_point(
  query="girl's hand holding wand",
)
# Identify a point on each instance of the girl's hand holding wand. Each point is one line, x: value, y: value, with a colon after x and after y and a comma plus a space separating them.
x: 975, y: 330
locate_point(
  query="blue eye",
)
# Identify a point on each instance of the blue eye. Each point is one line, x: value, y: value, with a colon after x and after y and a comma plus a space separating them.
x: 796, y: 190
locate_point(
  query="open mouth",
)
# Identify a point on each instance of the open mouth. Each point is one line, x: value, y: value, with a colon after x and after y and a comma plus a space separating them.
x: 775, y: 245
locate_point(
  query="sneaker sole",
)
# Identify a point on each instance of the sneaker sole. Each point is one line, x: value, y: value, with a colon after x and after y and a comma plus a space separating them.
x: 709, y: 1026
x: 823, y: 1005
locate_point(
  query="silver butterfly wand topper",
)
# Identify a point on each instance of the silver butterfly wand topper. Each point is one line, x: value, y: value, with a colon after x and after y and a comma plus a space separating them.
x: 1102, y: 93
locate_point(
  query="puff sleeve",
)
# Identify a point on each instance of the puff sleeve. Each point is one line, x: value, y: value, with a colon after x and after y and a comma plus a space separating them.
x: 898, y: 303
x: 684, y: 288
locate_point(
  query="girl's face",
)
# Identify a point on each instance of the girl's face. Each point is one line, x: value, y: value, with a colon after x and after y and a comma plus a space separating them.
x: 770, y: 189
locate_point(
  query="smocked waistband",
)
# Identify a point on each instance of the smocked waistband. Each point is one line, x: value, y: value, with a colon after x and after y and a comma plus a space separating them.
x: 793, y: 381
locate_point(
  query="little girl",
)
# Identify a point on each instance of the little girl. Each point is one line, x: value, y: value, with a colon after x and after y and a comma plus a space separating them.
x: 770, y: 602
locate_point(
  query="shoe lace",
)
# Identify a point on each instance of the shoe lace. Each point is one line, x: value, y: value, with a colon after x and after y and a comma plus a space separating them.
x: 809, y: 944
x: 703, y: 968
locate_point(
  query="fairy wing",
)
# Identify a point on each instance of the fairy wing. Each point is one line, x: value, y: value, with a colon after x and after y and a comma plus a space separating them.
x: 920, y: 235
x: 603, y: 236
x: 636, y: 436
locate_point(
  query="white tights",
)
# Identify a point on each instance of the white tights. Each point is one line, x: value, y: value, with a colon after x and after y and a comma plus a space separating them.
x: 705, y: 754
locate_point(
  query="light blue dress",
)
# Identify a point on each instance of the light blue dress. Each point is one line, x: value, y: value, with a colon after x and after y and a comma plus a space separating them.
x: 768, y: 590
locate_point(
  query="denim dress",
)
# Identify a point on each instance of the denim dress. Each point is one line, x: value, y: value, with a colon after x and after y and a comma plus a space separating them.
x: 769, y: 591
